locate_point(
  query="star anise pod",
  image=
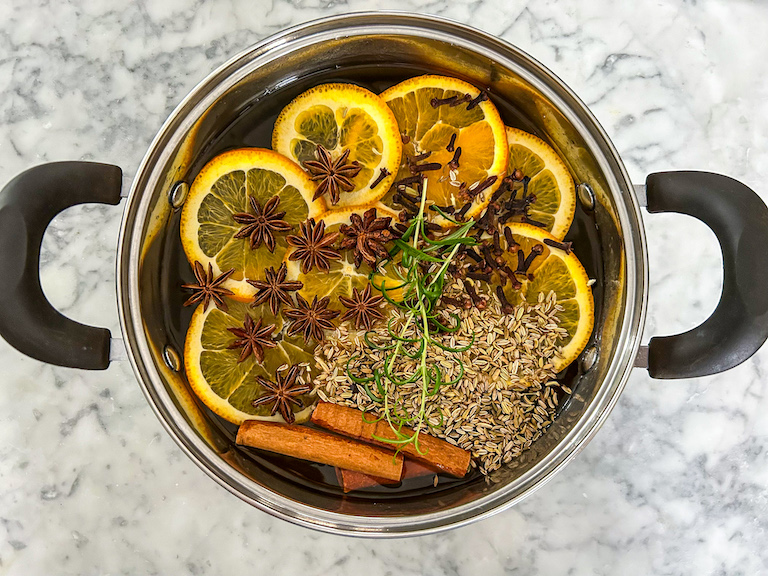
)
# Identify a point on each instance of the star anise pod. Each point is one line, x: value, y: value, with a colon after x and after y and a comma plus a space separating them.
x: 252, y: 338
x: 312, y: 319
x: 208, y: 289
x: 332, y: 176
x: 363, y: 308
x: 313, y: 246
x: 282, y: 394
x: 367, y: 236
x: 274, y: 288
x: 262, y: 224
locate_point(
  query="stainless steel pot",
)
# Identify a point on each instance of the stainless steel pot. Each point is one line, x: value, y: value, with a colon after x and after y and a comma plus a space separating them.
x: 341, y: 47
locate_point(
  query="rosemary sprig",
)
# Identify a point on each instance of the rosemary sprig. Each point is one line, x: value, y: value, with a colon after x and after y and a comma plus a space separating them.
x: 422, y: 269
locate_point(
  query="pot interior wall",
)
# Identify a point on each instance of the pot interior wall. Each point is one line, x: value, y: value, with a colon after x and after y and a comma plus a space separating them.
x: 243, y: 117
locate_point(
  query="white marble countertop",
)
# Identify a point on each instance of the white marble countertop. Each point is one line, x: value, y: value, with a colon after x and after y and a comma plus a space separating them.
x: 676, y: 482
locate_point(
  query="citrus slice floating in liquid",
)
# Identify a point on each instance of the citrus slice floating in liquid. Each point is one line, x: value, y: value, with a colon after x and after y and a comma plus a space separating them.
x: 561, y: 272
x: 436, y: 133
x: 225, y: 187
x: 343, y: 118
x: 229, y: 387
x: 550, y: 181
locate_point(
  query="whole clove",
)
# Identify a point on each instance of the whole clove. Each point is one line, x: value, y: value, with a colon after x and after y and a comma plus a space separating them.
x: 497, y: 243
x: 435, y: 102
x: 566, y: 247
x: 490, y: 260
x: 383, y: 174
x: 512, y: 245
x: 449, y: 148
x: 427, y: 167
x: 477, y: 300
x: 506, y: 307
x: 474, y: 255
x: 450, y: 101
x: 536, y: 250
x: 454, y: 163
x: 528, y: 220
x: 487, y: 183
x: 482, y: 97
x: 520, y: 262
x: 516, y: 207
x: 464, y: 209
x: 511, y: 275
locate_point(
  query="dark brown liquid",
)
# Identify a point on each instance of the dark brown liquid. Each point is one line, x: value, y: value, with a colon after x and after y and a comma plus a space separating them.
x: 253, y: 128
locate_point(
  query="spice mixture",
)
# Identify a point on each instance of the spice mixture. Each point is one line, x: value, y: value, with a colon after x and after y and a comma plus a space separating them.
x: 508, y: 393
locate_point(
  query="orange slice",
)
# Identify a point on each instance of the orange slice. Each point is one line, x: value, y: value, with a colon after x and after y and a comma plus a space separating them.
x: 343, y: 117
x: 550, y: 181
x: 223, y: 188
x: 561, y: 272
x: 474, y: 128
x: 229, y: 387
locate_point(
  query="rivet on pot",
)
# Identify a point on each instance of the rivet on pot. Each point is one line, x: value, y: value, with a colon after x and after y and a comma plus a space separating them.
x: 588, y: 359
x: 178, y: 194
x: 586, y: 196
x: 171, y: 358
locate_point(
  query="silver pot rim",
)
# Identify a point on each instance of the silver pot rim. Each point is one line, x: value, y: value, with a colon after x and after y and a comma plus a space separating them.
x: 149, y: 175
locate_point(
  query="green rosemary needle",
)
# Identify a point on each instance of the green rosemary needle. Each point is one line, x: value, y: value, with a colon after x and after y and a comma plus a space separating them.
x: 422, y: 269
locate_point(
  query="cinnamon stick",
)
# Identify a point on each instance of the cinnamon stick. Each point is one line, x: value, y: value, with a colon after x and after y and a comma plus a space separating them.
x: 317, y: 446
x: 350, y: 480
x: 436, y: 453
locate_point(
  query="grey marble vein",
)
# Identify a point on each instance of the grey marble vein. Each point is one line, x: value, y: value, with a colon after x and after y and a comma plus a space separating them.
x: 676, y: 482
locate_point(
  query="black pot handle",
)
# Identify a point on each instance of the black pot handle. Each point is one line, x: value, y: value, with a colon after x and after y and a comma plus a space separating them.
x: 28, y: 203
x: 739, y: 325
